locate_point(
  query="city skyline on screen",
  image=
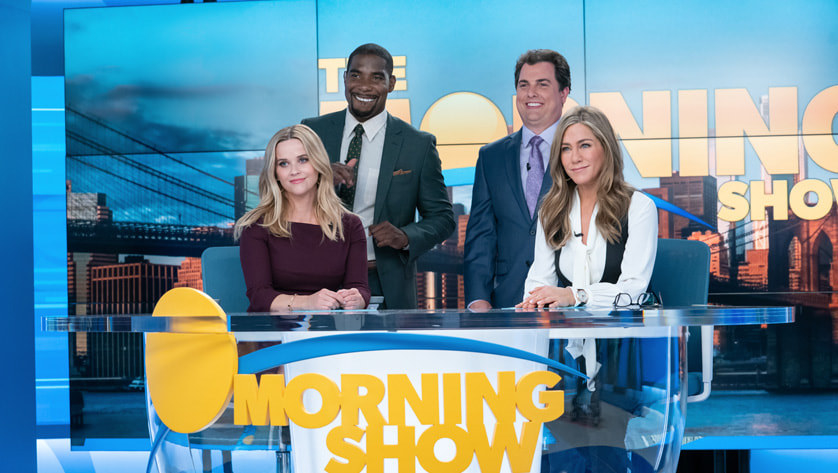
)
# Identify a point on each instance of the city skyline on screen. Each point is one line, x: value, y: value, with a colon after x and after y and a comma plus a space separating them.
x: 193, y: 78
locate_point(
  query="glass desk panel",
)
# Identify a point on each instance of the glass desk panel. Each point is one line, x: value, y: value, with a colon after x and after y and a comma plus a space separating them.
x: 449, y: 319
x: 618, y: 400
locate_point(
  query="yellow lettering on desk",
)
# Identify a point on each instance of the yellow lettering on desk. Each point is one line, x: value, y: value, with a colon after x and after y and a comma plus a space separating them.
x: 273, y: 401
x: 500, y: 402
x: 452, y: 402
x: 553, y: 400
x: 520, y: 453
x: 337, y: 444
x: 329, y: 395
x: 402, y: 391
x: 353, y: 402
x: 253, y: 402
x: 404, y: 450
x: 462, y: 441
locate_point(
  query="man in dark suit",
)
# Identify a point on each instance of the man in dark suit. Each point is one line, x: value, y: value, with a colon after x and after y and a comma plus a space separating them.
x: 385, y: 171
x: 509, y: 181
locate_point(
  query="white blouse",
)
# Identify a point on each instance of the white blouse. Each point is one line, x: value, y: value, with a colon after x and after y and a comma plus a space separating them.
x: 584, y: 264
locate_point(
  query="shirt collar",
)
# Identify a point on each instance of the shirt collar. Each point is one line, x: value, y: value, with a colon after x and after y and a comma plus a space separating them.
x: 371, y: 126
x: 576, y: 219
x: 546, y: 135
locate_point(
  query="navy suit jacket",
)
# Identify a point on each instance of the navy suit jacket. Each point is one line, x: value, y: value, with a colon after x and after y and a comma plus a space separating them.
x: 410, y: 179
x: 500, y: 235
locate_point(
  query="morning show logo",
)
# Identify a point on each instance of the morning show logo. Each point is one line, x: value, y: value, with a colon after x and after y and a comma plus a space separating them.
x: 272, y: 401
x: 193, y: 374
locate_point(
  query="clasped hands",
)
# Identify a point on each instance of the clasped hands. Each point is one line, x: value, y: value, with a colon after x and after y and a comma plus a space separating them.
x: 324, y: 299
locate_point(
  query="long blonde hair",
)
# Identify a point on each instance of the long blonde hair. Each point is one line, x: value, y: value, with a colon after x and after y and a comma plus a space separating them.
x: 613, y: 192
x: 273, y: 204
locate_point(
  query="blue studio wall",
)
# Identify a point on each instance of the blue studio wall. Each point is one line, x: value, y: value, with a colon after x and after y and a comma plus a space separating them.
x: 17, y: 395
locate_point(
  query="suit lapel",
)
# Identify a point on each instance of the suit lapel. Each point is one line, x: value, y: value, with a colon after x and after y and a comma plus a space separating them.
x: 513, y: 170
x: 389, y: 155
x: 333, y: 137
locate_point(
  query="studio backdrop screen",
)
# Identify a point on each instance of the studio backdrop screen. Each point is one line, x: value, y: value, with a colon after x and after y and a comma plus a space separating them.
x: 726, y: 115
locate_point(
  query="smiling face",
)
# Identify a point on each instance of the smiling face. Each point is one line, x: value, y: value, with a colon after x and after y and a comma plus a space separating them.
x: 582, y: 156
x: 367, y: 83
x: 539, y: 100
x: 296, y: 176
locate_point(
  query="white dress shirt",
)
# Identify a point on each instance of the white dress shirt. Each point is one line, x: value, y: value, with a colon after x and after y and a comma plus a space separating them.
x: 372, y: 147
x: 583, y: 264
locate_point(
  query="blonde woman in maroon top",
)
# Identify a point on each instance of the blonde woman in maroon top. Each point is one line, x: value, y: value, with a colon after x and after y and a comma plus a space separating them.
x: 300, y: 249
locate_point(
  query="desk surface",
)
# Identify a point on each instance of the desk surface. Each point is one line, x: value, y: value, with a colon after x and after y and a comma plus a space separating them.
x: 405, y: 320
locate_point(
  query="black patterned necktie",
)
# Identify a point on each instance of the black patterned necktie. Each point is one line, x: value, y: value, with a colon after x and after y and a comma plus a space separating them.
x: 354, y: 152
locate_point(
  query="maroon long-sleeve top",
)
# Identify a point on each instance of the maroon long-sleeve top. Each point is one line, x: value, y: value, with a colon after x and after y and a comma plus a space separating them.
x: 304, y: 263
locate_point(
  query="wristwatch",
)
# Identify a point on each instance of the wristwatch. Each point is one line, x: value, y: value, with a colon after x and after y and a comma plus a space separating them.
x: 581, y: 296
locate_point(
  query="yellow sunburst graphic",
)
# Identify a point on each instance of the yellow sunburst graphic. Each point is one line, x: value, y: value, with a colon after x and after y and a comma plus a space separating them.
x: 462, y: 123
x: 190, y: 374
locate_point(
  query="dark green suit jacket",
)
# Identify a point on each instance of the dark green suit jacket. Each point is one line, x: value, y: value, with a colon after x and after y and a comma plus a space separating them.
x: 410, y: 179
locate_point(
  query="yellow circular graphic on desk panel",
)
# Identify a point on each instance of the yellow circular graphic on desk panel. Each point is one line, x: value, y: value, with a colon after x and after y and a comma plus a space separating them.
x: 190, y: 375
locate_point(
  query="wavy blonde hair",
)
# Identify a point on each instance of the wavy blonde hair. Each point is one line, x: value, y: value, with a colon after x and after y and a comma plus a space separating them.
x: 613, y: 192
x: 273, y: 204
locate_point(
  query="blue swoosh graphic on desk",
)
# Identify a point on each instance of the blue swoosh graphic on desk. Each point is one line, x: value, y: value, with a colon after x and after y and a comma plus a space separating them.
x: 329, y: 345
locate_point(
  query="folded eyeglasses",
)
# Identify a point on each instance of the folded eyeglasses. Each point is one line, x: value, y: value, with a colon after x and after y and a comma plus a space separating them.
x: 647, y: 299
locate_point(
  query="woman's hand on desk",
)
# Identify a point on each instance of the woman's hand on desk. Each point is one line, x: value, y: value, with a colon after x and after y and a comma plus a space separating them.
x: 323, y: 299
x: 548, y: 296
x: 352, y: 299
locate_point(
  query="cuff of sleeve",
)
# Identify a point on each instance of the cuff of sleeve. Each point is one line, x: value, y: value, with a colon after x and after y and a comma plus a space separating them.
x: 407, y: 233
x: 472, y: 302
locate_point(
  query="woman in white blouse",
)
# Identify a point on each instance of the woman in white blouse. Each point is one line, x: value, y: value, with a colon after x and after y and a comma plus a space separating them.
x: 599, y: 231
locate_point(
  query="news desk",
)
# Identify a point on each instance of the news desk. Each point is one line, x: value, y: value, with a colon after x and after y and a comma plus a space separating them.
x: 416, y: 390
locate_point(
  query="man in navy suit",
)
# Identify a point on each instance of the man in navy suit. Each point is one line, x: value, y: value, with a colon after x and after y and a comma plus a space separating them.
x: 509, y: 181
x: 385, y: 170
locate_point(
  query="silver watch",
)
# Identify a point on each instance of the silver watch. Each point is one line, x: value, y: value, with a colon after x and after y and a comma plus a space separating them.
x: 582, y: 296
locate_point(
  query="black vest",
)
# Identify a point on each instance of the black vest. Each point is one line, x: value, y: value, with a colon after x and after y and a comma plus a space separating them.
x: 613, y: 258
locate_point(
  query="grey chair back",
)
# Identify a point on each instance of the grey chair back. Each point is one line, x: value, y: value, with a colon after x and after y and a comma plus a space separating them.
x: 221, y: 272
x: 681, y: 276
